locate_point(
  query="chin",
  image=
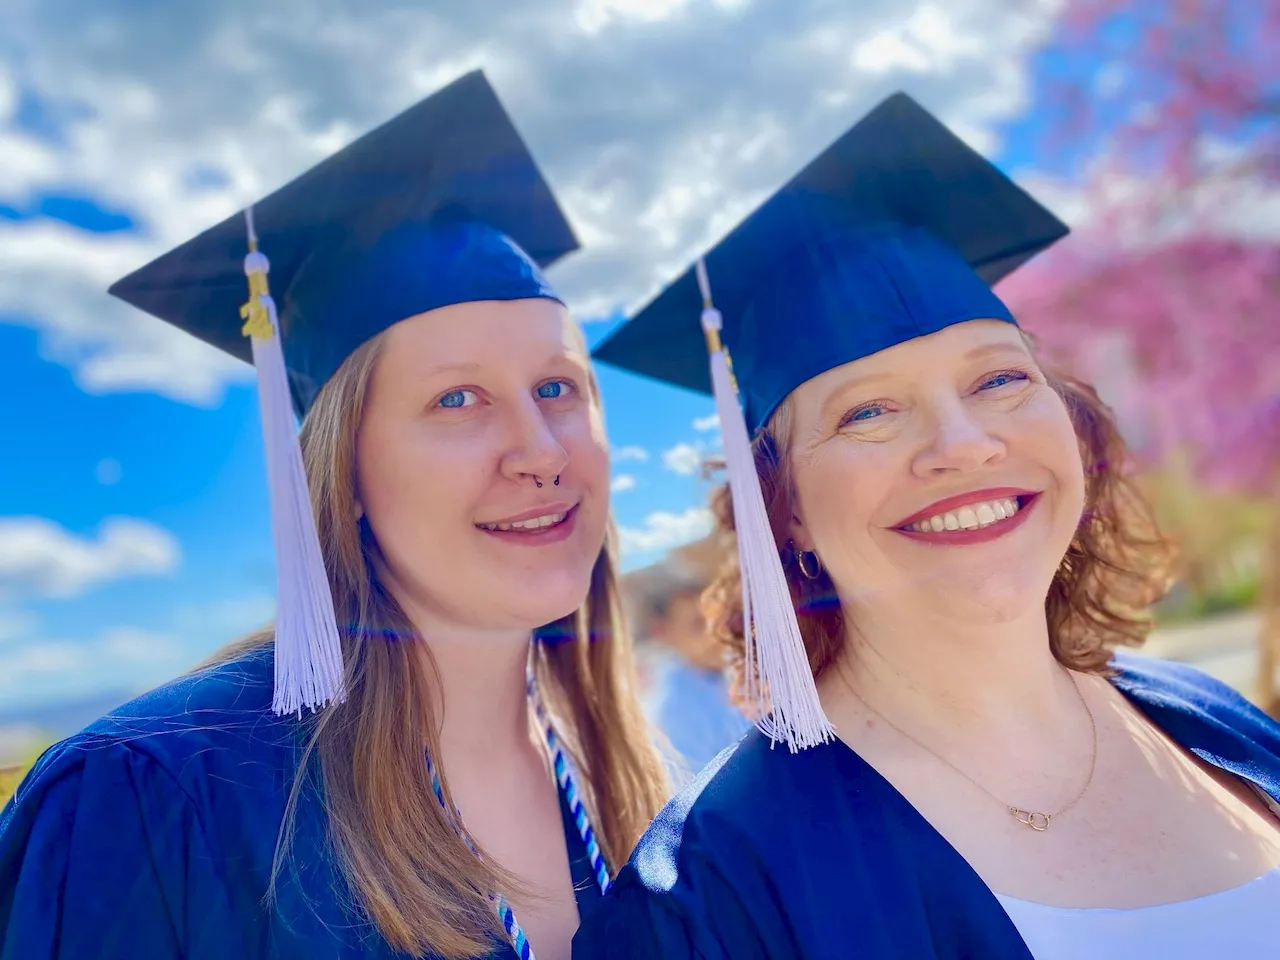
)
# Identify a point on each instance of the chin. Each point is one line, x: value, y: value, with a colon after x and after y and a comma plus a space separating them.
x: 547, y: 597
x: 999, y: 597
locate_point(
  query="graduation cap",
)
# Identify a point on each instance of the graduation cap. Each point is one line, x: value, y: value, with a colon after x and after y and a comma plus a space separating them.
x: 896, y: 231
x: 443, y: 204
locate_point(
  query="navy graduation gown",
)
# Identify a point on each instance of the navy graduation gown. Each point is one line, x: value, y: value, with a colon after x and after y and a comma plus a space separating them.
x: 150, y: 835
x: 814, y: 855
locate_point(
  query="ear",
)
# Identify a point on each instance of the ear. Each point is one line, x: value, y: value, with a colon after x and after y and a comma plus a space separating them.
x: 357, y: 507
x: 800, y: 532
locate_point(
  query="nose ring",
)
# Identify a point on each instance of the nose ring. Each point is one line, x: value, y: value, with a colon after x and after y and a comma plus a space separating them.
x: 538, y: 482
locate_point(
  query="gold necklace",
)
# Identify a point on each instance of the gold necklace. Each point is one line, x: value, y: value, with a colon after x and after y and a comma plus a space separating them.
x: 1037, y: 821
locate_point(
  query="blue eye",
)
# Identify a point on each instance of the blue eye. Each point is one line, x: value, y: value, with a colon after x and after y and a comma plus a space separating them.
x: 552, y: 389
x: 1002, y: 379
x: 455, y: 399
x: 866, y: 413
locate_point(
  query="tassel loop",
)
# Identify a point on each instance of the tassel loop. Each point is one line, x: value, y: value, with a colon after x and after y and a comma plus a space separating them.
x: 259, y: 313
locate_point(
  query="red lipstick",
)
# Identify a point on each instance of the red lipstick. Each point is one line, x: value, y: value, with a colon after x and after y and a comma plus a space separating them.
x: 1026, y: 500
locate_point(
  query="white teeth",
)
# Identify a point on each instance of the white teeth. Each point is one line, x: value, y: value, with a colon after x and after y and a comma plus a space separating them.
x: 973, y: 517
x: 549, y: 520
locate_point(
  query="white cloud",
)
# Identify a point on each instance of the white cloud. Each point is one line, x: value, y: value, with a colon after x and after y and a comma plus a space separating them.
x: 929, y: 41
x: 663, y: 530
x: 625, y: 454
x: 656, y: 132
x: 710, y: 422
x: 1235, y: 203
x: 592, y: 16
x: 118, y: 658
x: 55, y: 276
x: 40, y: 558
x: 17, y: 625
x: 35, y: 667
x: 229, y: 618
x: 622, y: 483
x: 684, y: 459
x: 141, y: 646
x: 8, y: 98
x: 19, y: 665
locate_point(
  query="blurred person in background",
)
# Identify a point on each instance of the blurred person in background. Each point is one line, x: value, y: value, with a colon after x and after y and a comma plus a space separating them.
x: 940, y: 551
x: 437, y: 749
x: 689, y: 694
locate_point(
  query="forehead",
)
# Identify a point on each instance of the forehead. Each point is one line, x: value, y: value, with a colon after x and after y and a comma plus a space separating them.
x: 952, y: 346
x: 483, y: 332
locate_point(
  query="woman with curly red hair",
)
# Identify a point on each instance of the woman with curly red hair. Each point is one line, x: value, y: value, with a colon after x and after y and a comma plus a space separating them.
x: 974, y: 770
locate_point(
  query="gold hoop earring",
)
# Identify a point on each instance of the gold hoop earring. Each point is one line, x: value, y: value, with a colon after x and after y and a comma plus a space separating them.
x: 800, y: 562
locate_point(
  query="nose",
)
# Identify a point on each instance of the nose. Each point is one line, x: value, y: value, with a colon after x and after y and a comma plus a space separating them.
x: 533, y: 450
x: 959, y: 442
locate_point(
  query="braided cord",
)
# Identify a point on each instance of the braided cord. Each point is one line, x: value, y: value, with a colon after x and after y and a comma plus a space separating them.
x: 565, y: 778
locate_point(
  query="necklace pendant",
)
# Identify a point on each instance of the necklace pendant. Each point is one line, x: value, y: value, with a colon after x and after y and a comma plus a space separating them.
x: 1039, y: 822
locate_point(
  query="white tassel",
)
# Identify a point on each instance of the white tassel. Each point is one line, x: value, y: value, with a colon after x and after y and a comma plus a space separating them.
x: 308, y: 653
x: 779, y: 681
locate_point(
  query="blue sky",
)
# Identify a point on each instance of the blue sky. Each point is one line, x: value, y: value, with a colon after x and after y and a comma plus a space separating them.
x: 134, y: 531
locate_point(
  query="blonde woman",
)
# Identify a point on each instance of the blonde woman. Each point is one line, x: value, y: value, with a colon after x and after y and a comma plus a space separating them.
x: 453, y: 770
x: 975, y: 771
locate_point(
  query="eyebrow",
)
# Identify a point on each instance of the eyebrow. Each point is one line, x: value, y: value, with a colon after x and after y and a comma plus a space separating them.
x: 451, y: 368
x: 570, y: 356
x: 992, y: 348
x: 839, y: 393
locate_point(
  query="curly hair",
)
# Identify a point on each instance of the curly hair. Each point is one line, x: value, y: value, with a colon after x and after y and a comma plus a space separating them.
x: 1117, y: 566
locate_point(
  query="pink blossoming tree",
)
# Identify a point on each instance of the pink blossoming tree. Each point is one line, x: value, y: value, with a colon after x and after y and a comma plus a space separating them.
x: 1169, y: 294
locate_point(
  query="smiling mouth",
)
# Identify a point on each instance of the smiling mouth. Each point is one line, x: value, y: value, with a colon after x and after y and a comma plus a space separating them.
x: 972, y: 516
x: 532, y: 525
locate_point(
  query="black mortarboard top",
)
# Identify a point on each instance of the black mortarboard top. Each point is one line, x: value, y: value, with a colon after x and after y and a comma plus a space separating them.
x: 896, y: 230
x: 441, y: 204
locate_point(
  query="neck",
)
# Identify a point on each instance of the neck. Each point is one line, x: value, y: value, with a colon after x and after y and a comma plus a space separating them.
x: 484, y: 708
x: 949, y: 672
x: 484, y: 698
x: 481, y: 674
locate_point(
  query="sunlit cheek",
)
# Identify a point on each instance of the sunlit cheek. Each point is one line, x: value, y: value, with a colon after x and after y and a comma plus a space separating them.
x: 595, y: 425
x: 583, y: 434
x: 1043, y: 428
x: 1043, y: 405
x: 825, y: 485
x: 579, y: 425
x: 591, y: 465
x: 854, y: 482
x: 432, y: 477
